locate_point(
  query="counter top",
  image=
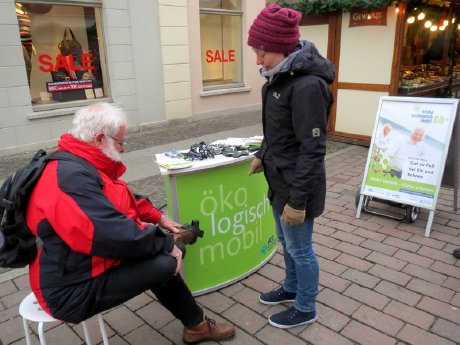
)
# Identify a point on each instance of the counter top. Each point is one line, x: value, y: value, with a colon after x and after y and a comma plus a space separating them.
x: 197, y: 165
x: 424, y: 89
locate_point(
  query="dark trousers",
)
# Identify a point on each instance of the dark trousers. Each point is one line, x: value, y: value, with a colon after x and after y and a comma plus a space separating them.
x: 119, y: 284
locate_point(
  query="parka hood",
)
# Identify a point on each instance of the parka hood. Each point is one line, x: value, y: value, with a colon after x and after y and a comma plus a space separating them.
x: 307, y: 60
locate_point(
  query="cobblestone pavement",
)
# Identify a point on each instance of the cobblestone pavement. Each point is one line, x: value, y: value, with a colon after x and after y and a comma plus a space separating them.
x: 381, y: 281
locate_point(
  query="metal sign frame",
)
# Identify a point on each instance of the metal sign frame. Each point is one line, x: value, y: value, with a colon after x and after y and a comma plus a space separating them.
x: 407, y: 166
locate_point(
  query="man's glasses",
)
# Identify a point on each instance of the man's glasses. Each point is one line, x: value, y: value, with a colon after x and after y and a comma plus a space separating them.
x: 122, y: 143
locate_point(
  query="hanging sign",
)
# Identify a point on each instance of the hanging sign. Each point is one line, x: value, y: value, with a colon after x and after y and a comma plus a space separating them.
x: 408, y: 150
x: 362, y: 17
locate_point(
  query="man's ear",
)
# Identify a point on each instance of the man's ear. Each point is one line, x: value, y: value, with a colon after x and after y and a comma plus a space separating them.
x: 98, y: 139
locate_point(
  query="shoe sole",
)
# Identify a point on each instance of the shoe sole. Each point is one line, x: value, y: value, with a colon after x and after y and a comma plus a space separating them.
x: 277, y: 302
x: 225, y: 338
x: 274, y: 324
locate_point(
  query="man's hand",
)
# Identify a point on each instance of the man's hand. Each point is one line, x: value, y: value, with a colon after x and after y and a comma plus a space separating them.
x: 256, y: 167
x: 291, y: 216
x: 176, y: 253
x: 168, y: 224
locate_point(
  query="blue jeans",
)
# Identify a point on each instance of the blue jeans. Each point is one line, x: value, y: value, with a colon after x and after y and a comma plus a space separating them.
x: 302, y: 269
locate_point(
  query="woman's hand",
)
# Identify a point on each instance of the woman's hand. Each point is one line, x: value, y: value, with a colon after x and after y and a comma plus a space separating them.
x: 256, y: 167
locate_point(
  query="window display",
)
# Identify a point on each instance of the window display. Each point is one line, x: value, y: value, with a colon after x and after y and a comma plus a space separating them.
x: 429, y: 59
x: 63, y: 52
x: 220, y: 25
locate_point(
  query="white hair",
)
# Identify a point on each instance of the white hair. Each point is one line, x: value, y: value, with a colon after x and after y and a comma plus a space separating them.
x: 99, y: 117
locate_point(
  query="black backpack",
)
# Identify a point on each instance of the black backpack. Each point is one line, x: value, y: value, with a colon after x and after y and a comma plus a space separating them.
x: 18, y: 245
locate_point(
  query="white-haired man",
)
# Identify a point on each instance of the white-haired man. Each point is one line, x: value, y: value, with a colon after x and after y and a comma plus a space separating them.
x: 100, y: 245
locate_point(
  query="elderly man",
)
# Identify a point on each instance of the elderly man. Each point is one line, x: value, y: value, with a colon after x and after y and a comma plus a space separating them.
x: 100, y: 245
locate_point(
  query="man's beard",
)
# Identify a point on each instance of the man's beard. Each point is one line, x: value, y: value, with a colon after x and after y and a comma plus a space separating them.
x: 111, y: 152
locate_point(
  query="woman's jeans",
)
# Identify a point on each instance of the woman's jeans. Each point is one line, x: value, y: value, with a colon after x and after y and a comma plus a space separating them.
x: 302, y: 269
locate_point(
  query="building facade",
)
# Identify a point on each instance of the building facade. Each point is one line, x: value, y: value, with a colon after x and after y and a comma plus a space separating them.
x: 160, y: 60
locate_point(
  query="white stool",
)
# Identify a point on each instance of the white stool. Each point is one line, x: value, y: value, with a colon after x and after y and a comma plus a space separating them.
x: 30, y: 310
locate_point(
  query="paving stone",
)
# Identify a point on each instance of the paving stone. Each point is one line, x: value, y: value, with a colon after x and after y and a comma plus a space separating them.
x: 389, y: 274
x: 456, y: 300
x: 439, y: 308
x: 414, y: 335
x: 260, y: 284
x: 447, y: 330
x: 432, y: 290
x: 363, y: 334
x: 123, y: 320
x: 378, y: 320
x: 410, y: 314
x: 155, y: 315
x: 250, y: 298
x: 337, y: 301
x: 325, y: 252
x: 413, y: 258
x: 379, y: 247
x: 398, y: 293
x: 367, y: 296
x: 446, y: 269
x: 360, y: 278
x: 333, y: 282
x: 274, y: 336
x: 330, y: 318
x: 272, y: 272
x: 326, y: 240
x: 425, y: 274
x: 330, y: 266
x: 7, y: 288
x: 452, y: 283
x: 353, y: 250
x: 320, y: 335
x: 347, y: 237
x: 245, y: 318
x: 427, y: 243
x: 140, y: 335
x: 386, y: 260
x: 215, y: 301
x: 139, y: 301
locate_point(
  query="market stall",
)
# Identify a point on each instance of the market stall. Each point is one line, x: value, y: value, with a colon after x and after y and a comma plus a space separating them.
x: 233, y: 211
x: 382, y: 48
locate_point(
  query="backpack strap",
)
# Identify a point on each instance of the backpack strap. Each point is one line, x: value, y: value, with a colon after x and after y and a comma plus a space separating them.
x: 67, y: 156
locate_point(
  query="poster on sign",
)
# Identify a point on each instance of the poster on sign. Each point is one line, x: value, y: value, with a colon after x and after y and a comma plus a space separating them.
x: 408, y: 150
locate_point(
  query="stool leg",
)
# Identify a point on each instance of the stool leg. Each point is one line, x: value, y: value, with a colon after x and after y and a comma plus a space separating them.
x: 102, y: 328
x: 87, y: 335
x: 41, y: 335
x: 27, y: 331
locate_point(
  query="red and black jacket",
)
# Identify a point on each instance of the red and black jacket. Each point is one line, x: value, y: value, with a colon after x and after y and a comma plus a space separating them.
x: 98, y: 226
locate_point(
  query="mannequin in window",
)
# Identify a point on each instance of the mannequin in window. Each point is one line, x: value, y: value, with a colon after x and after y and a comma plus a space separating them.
x: 26, y: 37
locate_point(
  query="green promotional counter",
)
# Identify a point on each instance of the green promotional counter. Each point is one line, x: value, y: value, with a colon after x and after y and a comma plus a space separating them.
x: 234, y: 213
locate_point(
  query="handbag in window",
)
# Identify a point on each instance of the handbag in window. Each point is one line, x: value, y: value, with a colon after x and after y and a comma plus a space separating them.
x: 70, y: 46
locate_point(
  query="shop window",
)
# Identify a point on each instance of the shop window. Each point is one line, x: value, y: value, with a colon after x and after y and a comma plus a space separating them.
x: 63, y: 52
x: 221, y: 43
x: 429, y: 56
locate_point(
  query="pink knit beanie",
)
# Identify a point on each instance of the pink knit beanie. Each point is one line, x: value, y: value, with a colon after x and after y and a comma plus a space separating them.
x: 276, y: 30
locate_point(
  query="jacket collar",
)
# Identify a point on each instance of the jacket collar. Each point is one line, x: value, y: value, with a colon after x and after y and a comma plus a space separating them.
x: 96, y: 157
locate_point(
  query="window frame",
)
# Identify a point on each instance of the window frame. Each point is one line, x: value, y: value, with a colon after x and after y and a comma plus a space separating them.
x: 224, y: 12
x: 98, y: 8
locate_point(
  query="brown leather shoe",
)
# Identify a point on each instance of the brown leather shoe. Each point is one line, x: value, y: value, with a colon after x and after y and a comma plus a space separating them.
x: 208, y: 329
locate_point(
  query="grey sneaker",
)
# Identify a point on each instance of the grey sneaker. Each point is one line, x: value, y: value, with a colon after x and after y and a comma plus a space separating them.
x: 292, y: 318
x: 277, y: 296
